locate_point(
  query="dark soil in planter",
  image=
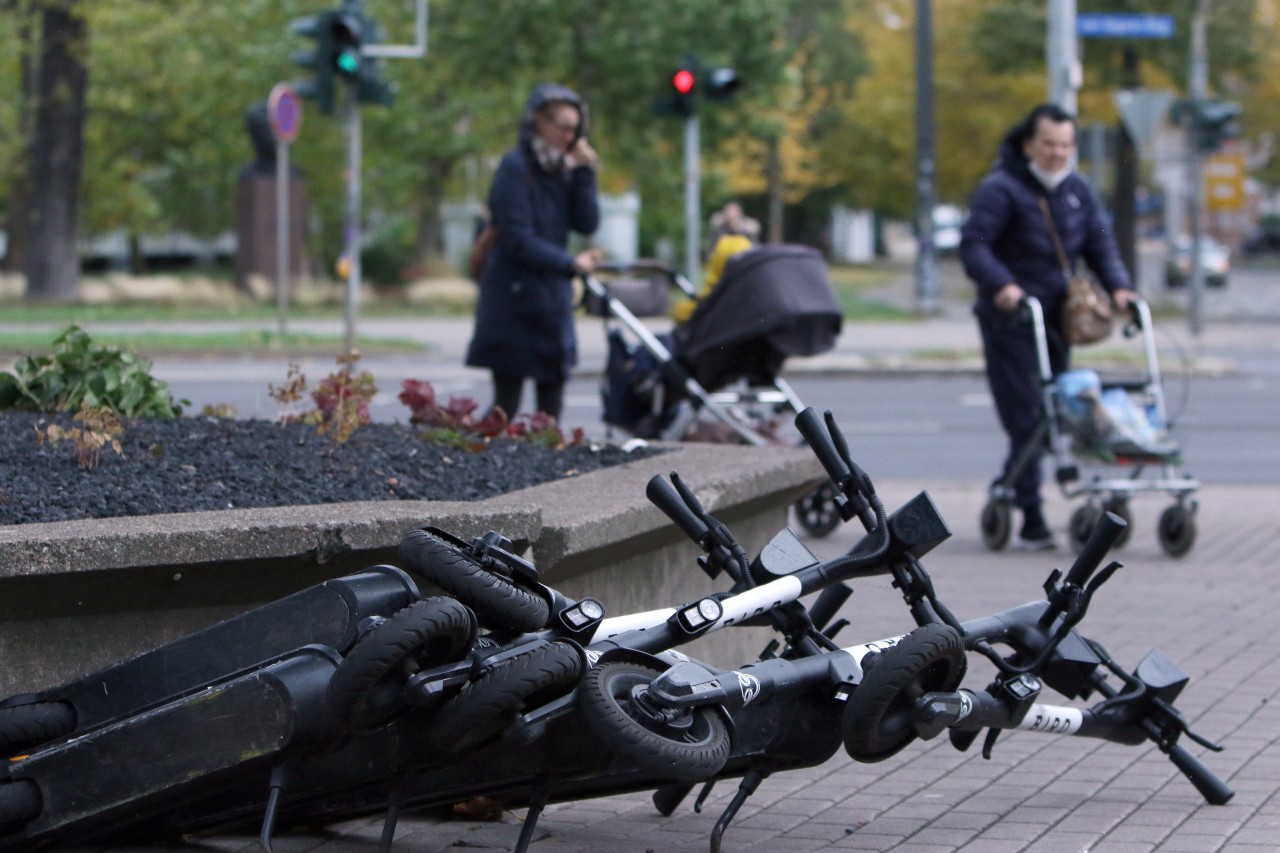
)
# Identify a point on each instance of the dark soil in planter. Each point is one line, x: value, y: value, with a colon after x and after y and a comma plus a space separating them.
x: 193, y: 464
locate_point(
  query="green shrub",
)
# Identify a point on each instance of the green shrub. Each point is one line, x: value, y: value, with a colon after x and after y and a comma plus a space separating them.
x: 78, y: 373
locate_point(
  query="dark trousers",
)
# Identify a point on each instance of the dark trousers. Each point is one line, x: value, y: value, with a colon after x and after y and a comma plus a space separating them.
x: 1009, y: 347
x: 507, y: 391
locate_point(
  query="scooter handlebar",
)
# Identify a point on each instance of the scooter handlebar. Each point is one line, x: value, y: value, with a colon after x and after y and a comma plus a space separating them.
x: 664, y: 497
x: 815, y: 434
x: 1104, y: 536
x: 1214, y: 790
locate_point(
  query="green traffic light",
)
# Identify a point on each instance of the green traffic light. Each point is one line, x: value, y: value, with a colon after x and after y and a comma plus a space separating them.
x: 348, y: 61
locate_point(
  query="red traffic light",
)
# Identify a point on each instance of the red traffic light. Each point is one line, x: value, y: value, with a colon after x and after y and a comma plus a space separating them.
x: 683, y: 81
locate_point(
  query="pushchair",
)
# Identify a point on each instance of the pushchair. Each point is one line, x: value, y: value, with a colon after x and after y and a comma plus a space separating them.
x: 716, y: 376
x: 1108, y: 442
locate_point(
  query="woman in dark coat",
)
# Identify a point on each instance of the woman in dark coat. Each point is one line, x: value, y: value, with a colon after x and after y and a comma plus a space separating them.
x: 544, y: 187
x: 1008, y: 252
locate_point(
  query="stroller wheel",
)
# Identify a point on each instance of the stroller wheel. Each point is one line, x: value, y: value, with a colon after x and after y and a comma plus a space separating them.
x: 1177, y: 530
x: 816, y: 512
x: 1080, y: 528
x: 997, y: 524
x: 877, y: 718
x: 1120, y: 507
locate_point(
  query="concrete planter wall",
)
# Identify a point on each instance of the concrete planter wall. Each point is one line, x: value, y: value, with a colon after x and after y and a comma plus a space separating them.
x: 76, y: 596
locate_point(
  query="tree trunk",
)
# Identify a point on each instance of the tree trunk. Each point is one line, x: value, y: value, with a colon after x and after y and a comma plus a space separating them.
x: 429, y: 242
x: 19, y: 224
x: 53, y: 262
x: 773, y: 171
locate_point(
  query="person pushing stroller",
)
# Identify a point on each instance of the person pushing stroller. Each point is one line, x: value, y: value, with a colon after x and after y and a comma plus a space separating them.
x: 1029, y: 204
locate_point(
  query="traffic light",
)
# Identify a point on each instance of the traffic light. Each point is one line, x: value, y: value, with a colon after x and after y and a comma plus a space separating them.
x: 721, y: 83
x: 1216, y: 122
x: 318, y: 60
x: 684, y: 84
x: 691, y: 81
x: 370, y: 87
x: 341, y: 36
x: 1209, y: 122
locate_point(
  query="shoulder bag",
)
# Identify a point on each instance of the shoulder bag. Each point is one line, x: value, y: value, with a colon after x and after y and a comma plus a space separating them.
x: 1086, y: 312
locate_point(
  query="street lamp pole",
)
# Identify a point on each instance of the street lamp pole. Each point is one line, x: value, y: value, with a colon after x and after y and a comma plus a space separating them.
x: 926, y: 273
x: 1199, y: 77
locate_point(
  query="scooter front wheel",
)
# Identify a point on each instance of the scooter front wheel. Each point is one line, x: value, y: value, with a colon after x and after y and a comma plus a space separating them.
x: 497, y: 599
x: 489, y: 704
x: 692, y: 749
x: 25, y: 726
x: 877, y: 718
x: 20, y: 803
x: 366, y: 688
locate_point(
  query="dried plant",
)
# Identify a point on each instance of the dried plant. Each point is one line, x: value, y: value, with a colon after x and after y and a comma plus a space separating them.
x: 99, y: 428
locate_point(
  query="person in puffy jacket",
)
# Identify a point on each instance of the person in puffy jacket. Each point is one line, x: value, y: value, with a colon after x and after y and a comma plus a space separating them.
x: 543, y: 188
x: 1008, y: 252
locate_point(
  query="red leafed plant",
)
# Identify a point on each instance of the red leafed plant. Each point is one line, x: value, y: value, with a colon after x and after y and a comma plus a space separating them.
x: 455, y: 422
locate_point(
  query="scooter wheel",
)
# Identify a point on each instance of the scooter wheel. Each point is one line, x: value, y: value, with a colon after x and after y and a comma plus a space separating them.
x: 816, y: 512
x: 686, y: 753
x: 497, y: 599
x: 24, y: 726
x: 365, y: 690
x: 877, y: 718
x: 997, y: 524
x: 492, y: 702
x: 20, y: 803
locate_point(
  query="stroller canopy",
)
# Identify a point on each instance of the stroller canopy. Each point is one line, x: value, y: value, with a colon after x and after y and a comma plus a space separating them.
x: 772, y: 302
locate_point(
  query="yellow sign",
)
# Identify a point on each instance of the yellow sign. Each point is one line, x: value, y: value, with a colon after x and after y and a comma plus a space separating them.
x: 1224, y: 182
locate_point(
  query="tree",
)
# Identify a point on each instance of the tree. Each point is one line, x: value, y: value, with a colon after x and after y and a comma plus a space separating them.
x: 53, y: 263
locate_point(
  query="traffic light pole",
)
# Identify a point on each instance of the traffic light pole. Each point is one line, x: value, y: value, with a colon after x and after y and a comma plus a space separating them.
x: 692, y: 201
x: 351, y: 225
x: 926, y: 273
x: 1199, y: 90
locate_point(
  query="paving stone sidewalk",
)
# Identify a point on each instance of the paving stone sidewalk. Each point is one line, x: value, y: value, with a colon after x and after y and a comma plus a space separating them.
x: 1212, y: 612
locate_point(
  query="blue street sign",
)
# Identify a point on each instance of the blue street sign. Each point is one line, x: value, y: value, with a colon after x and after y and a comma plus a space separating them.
x: 1124, y: 26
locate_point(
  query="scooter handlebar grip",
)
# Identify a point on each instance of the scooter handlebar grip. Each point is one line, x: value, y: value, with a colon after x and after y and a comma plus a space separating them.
x: 664, y: 497
x: 1214, y: 790
x: 815, y: 434
x: 1104, y: 536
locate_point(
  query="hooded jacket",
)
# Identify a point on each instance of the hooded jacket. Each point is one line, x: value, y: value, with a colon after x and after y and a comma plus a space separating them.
x: 524, y: 315
x: 1006, y: 239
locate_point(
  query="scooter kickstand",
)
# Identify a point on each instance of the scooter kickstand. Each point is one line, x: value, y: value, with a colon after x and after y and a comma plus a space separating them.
x: 750, y: 783
x: 395, y: 804
x: 273, y: 806
x: 537, y: 800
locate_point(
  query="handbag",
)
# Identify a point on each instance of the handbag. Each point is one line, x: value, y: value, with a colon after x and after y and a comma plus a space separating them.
x: 1086, y: 312
x: 481, y: 248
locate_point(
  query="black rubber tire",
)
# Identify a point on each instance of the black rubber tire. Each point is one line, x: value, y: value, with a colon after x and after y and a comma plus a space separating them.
x: 681, y: 756
x: 497, y: 600
x: 1120, y: 506
x: 816, y: 512
x: 489, y: 704
x: 365, y: 688
x: 25, y: 726
x: 1081, y: 525
x: 877, y: 717
x: 996, y: 524
x: 20, y: 803
x: 1177, y: 530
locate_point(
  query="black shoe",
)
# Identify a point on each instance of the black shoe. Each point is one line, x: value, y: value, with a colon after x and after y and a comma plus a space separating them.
x: 1035, y: 534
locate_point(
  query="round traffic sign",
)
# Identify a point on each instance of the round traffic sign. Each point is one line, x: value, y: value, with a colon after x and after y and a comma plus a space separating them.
x: 284, y: 110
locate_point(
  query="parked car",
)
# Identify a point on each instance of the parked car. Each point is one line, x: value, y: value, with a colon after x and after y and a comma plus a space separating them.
x: 1215, y: 258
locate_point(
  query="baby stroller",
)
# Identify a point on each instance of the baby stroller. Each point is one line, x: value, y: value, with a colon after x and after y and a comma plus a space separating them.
x: 716, y: 376
x: 1108, y: 442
